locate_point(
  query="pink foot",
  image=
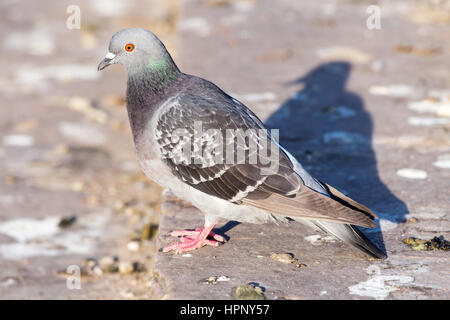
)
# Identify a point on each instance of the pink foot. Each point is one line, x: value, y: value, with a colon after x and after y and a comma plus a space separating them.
x: 192, y: 240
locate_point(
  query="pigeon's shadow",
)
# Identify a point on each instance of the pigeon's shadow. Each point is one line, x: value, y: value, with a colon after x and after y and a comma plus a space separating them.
x: 329, y: 131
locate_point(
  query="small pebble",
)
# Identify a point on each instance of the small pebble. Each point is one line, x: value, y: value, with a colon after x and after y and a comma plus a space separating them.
x: 90, y: 262
x: 93, y: 267
x: 149, y: 231
x: 126, y: 267
x: 67, y: 221
x: 134, y: 245
x: 112, y: 268
x: 283, y: 257
x: 106, y: 263
x: 139, y: 267
x: 249, y: 292
x: 97, y: 270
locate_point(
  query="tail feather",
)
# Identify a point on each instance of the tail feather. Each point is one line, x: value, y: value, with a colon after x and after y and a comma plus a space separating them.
x: 351, y: 235
x: 346, y: 201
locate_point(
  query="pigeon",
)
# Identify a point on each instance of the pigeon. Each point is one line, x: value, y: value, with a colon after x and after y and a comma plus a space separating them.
x: 214, y: 152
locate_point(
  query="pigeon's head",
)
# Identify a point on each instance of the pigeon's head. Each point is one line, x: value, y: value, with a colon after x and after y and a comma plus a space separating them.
x: 136, y: 49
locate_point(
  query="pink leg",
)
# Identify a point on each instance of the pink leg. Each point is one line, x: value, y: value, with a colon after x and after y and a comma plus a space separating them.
x: 194, y: 239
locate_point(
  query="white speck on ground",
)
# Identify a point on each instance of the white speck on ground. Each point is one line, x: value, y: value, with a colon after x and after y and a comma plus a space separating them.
x: 18, y: 140
x: 442, y: 164
x: 43, y: 237
x: 412, y: 173
x: 134, y: 246
x: 427, y: 122
x: 8, y: 282
x: 379, y: 287
x: 223, y: 279
x: 26, y: 229
x: 443, y: 161
x: 438, y: 103
x: 423, y: 106
x: 396, y: 90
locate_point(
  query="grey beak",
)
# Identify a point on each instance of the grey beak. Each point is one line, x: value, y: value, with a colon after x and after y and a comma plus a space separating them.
x: 108, y: 60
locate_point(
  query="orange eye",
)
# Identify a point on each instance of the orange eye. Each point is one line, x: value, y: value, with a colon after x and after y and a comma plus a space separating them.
x: 129, y: 47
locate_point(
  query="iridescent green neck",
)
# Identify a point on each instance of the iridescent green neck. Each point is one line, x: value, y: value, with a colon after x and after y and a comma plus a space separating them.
x: 156, y: 74
x: 157, y: 65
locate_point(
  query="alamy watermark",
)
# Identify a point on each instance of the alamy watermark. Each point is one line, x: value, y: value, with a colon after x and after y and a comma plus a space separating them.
x: 73, y: 281
x: 73, y: 21
x: 373, y: 22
